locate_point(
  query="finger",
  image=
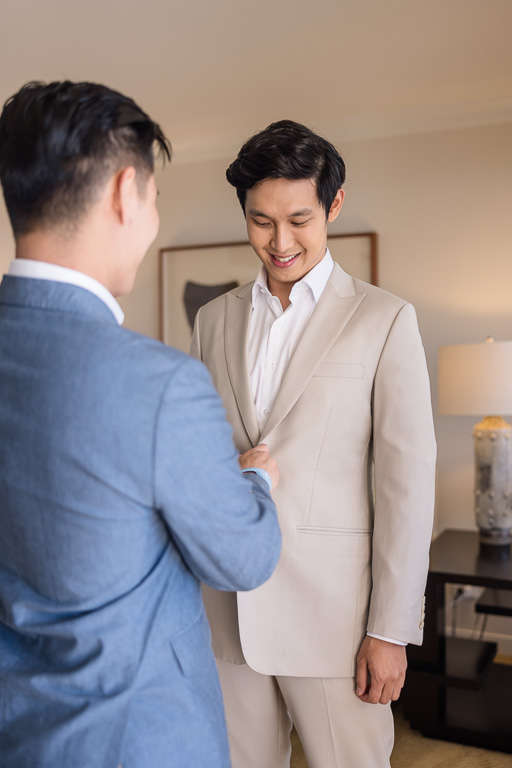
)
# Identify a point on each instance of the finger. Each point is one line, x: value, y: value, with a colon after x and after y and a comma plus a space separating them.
x: 375, y: 692
x: 361, y: 678
x: 263, y: 447
x: 386, y: 694
x: 397, y: 690
x: 396, y: 694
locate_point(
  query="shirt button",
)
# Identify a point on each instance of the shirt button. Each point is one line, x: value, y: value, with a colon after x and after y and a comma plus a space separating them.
x: 266, y: 412
x: 272, y: 366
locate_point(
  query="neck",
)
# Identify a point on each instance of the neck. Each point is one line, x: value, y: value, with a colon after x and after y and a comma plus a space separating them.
x: 281, y: 290
x: 71, y: 252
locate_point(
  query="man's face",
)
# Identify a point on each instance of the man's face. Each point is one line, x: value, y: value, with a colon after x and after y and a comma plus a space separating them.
x: 287, y: 228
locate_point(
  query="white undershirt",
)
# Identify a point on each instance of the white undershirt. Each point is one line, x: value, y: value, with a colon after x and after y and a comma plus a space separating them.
x: 42, y: 270
x: 274, y: 335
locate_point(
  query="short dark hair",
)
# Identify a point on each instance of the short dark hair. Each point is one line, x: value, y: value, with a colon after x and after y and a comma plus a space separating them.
x: 288, y: 150
x: 60, y: 142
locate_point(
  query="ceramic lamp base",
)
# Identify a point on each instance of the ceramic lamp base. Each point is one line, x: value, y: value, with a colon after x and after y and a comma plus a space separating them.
x: 493, y: 480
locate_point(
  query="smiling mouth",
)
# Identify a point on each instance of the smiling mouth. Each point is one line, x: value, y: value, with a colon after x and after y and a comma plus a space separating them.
x: 284, y: 261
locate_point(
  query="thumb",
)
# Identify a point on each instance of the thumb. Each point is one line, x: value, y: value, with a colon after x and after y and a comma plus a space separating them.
x: 263, y: 447
x: 361, y: 677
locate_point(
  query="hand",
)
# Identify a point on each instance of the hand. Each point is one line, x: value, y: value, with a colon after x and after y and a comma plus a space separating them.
x: 259, y: 457
x: 381, y: 670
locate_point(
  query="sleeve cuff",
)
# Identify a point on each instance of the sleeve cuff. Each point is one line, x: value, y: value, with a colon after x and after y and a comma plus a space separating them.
x: 262, y: 473
x: 386, y: 639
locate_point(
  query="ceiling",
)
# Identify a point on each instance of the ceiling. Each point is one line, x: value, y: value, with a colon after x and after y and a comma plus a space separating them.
x: 214, y: 71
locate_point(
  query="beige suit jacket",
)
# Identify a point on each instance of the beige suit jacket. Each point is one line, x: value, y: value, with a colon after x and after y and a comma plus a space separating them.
x: 354, y: 403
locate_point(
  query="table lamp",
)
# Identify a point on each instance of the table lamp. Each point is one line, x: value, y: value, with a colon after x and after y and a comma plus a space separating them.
x: 473, y: 380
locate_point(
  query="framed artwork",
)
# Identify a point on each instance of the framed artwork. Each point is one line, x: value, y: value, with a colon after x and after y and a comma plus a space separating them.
x: 192, y: 275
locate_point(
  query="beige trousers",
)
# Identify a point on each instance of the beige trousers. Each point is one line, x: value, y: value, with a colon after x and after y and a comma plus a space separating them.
x: 336, y: 729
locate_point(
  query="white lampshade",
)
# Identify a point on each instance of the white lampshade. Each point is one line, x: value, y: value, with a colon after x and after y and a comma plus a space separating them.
x: 475, y: 379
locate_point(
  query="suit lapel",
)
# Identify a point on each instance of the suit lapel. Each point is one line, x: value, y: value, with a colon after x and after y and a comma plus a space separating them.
x: 334, y: 310
x: 237, y: 318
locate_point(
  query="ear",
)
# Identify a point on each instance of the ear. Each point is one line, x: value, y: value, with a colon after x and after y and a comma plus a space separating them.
x: 124, y: 194
x: 336, y: 205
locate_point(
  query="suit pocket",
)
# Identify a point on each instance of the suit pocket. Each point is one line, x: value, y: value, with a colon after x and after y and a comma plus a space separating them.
x: 321, y: 530
x: 341, y: 370
x: 326, y: 543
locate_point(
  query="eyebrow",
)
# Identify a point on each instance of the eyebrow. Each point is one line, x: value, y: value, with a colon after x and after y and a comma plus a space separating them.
x: 302, y: 212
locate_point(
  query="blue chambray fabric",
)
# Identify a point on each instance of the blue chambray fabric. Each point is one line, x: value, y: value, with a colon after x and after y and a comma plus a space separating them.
x: 119, y: 491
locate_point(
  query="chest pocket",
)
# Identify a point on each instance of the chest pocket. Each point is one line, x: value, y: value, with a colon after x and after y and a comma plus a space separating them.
x: 341, y: 370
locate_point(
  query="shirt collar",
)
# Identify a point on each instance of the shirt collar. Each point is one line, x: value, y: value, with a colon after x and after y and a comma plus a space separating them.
x: 316, y: 280
x: 42, y: 270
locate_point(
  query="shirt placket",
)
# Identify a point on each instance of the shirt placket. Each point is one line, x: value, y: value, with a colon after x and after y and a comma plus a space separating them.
x: 273, y: 354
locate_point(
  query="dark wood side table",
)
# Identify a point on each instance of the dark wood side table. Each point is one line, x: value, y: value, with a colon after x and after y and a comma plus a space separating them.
x: 453, y: 690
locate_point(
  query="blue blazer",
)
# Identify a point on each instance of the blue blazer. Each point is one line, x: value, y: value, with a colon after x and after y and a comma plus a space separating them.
x: 120, y: 491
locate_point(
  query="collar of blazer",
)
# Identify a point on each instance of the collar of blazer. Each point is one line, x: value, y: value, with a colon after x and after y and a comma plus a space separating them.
x: 34, y: 293
x: 334, y: 310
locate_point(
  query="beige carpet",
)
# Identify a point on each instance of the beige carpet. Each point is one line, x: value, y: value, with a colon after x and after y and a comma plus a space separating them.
x: 412, y: 750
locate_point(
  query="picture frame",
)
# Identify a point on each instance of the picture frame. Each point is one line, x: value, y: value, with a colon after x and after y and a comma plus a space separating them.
x: 191, y: 275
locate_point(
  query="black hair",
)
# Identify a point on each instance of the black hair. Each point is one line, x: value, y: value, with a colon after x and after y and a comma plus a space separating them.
x: 60, y: 142
x: 288, y: 150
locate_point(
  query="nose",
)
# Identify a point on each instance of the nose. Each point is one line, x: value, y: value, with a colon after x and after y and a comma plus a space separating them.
x: 282, y: 239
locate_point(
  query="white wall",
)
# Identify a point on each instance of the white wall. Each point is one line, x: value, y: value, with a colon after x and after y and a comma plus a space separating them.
x: 6, y: 239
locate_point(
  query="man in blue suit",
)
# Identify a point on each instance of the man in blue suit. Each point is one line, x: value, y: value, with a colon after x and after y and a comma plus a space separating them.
x: 120, y: 487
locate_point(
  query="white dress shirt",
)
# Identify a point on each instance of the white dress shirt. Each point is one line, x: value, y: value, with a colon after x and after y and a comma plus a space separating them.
x: 42, y: 270
x: 274, y: 335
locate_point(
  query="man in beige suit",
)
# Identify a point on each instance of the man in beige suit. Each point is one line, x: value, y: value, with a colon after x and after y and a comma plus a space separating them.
x: 330, y: 373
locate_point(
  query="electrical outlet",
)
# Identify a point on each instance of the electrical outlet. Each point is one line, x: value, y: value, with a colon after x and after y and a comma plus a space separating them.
x: 470, y: 592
